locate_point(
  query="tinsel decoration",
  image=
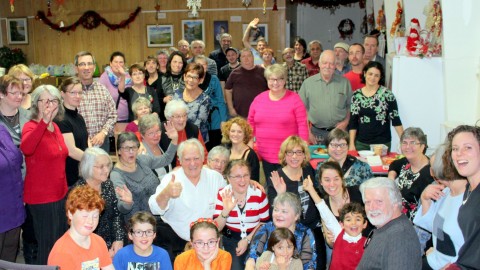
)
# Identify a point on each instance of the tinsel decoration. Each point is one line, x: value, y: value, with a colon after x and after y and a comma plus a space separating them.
x: 89, y: 20
x: 398, y: 20
x: 157, y: 8
x: 433, y: 26
x: 264, y: 7
x: 49, y: 8
x: 12, y: 7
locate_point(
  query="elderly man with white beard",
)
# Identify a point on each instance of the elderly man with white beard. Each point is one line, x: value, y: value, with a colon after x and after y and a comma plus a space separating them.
x: 394, y: 243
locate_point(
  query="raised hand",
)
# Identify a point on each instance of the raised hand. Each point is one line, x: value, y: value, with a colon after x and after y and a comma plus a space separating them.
x: 256, y: 185
x: 253, y: 23
x: 228, y: 200
x: 278, y: 183
x: 124, y: 194
x: 171, y: 132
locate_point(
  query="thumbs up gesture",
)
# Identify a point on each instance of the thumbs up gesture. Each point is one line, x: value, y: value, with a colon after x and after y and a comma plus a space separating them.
x: 173, y: 189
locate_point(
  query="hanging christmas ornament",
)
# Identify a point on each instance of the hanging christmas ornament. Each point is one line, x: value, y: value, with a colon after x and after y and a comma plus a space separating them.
x: 398, y: 20
x: 12, y: 7
x: 246, y: 3
x: 194, y: 5
x: 157, y: 8
x: 49, y: 11
x: 264, y: 7
x: 275, y: 8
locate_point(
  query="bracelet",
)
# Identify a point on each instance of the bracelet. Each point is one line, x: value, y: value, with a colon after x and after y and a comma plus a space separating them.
x: 246, y: 238
x: 225, y: 217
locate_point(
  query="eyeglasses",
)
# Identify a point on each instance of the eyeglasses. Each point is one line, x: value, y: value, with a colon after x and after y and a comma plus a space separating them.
x: 299, y: 153
x: 147, y: 233
x: 338, y: 145
x: 412, y: 143
x: 178, y: 117
x: 276, y: 80
x: 129, y: 149
x: 217, y: 160
x: 75, y: 94
x: 369, y: 238
x: 102, y: 167
x: 17, y: 94
x: 27, y: 80
x: 201, y: 244
x: 83, y: 64
x: 48, y: 101
x: 193, y: 78
x: 153, y: 133
x: 238, y: 177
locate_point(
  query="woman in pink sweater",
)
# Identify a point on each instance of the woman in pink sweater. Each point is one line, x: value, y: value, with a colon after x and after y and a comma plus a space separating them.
x: 274, y: 115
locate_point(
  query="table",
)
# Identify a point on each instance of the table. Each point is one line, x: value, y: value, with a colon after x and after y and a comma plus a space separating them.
x: 377, y: 170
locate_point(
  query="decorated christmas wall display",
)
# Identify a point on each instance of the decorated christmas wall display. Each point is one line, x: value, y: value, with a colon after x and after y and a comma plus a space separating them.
x: 346, y: 29
x: 89, y: 20
x: 194, y: 5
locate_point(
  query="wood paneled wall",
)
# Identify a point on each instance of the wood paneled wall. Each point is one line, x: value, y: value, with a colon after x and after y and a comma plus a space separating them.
x: 47, y: 46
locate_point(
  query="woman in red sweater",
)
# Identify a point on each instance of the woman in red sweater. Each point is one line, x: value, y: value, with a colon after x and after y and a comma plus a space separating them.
x: 45, y: 182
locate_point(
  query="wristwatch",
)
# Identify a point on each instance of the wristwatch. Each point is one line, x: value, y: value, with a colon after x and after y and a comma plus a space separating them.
x: 105, y: 132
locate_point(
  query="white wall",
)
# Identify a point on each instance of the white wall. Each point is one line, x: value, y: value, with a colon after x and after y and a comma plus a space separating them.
x: 318, y: 23
x: 461, y: 56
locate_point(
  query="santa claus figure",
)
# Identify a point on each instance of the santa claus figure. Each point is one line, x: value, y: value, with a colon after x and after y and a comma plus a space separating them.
x: 413, y: 40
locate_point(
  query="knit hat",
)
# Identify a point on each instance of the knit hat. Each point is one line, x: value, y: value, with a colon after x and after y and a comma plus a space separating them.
x: 342, y: 45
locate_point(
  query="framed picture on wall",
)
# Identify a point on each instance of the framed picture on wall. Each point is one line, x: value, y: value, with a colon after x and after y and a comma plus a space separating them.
x: 159, y: 35
x: 193, y: 29
x: 255, y: 34
x: 17, y: 31
x: 219, y: 28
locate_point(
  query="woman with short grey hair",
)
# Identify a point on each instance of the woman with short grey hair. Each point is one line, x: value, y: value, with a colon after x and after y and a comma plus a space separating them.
x: 176, y: 112
x: 45, y: 181
x: 412, y: 172
x: 218, y: 158
x: 94, y: 168
x: 149, y: 127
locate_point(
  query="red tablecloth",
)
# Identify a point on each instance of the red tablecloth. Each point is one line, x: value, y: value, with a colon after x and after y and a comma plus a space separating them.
x: 379, y: 170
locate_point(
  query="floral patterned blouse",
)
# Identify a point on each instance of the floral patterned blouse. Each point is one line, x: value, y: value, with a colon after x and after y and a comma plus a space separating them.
x: 198, y: 111
x: 355, y: 171
x: 371, y: 116
x: 410, y: 184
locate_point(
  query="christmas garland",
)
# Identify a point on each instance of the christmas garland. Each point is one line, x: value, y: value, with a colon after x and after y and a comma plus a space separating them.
x: 89, y: 20
x: 330, y: 3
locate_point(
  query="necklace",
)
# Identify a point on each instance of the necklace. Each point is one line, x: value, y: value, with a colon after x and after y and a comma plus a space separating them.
x: 13, y: 119
x: 469, y: 192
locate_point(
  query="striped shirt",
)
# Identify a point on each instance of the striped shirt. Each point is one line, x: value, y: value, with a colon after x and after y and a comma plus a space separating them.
x: 98, y: 109
x: 255, y: 211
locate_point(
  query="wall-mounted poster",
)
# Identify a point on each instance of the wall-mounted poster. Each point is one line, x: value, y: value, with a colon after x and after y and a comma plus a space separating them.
x: 159, y: 35
x: 255, y: 34
x: 17, y: 31
x: 219, y: 27
x: 193, y: 29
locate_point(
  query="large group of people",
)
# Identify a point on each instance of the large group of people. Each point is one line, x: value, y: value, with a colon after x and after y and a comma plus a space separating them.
x: 185, y: 190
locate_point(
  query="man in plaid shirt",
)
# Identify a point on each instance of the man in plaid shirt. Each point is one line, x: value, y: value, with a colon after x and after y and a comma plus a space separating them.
x: 297, y: 72
x: 97, y: 106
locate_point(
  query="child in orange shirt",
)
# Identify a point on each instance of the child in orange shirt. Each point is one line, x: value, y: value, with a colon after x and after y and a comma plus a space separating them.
x: 206, y: 254
x: 79, y: 248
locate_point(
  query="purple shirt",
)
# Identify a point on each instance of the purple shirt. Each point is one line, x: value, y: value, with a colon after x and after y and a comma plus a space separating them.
x: 12, y: 211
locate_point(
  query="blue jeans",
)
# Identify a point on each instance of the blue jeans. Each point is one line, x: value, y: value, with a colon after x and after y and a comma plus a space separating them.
x: 230, y: 245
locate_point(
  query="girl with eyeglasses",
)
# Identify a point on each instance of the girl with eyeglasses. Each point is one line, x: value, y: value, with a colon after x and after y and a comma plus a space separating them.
x: 205, y: 253
x: 142, y: 252
x: 239, y: 210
